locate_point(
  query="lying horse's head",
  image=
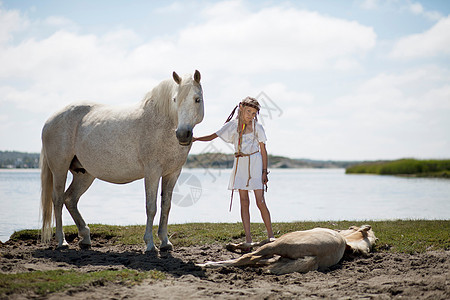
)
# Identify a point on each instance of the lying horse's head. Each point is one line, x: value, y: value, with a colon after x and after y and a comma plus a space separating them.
x: 189, y: 103
x: 359, y: 239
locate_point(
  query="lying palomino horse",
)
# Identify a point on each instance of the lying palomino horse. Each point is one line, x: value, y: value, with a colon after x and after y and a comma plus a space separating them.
x: 150, y: 140
x: 304, y: 251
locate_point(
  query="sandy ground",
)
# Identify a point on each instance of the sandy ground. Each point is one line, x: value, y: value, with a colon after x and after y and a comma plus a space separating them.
x: 379, y: 276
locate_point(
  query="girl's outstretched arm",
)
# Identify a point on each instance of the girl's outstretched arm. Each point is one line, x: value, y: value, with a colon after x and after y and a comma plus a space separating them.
x: 205, y: 138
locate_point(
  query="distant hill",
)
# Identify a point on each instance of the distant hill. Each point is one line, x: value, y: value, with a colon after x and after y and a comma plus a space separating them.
x: 18, y: 160
x: 21, y: 160
x: 221, y: 160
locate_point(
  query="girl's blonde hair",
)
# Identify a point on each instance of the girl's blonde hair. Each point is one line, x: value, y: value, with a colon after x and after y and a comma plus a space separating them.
x: 248, y: 101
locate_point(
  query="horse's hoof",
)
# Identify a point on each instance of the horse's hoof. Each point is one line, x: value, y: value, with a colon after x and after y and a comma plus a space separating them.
x: 266, y: 241
x: 243, y: 247
x: 84, y: 246
x: 246, y: 250
x: 231, y: 247
x: 166, y: 248
x: 151, y: 252
x: 151, y: 249
x: 63, y: 247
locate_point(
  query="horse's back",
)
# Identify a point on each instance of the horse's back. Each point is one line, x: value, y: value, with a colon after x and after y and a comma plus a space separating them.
x: 59, y: 132
x: 68, y: 117
x: 104, y: 139
x: 108, y: 143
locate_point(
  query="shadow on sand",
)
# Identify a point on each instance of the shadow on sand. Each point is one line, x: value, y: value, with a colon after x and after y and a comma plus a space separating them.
x: 129, y: 258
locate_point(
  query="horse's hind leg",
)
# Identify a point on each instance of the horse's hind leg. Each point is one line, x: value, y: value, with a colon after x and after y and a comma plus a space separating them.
x: 59, y: 183
x: 80, y: 183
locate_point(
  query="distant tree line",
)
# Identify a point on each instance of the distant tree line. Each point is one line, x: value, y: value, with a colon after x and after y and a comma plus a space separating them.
x: 222, y: 160
x: 18, y: 160
x: 405, y: 167
x: 23, y: 160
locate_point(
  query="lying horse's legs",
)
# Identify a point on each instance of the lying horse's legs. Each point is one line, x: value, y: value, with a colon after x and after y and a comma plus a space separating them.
x: 168, y: 183
x: 151, y: 190
x: 249, y: 259
x: 59, y: 183
x: 287, y: 265
x: 80, y: 183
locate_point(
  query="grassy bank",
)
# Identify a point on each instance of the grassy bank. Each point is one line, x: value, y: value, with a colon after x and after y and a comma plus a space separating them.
x: 46, y: 282
x: 404, y: 236
x: 408, y: 236
x: 407, y: 167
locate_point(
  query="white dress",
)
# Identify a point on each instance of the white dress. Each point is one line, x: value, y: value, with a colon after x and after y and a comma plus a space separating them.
x: 250, y: 144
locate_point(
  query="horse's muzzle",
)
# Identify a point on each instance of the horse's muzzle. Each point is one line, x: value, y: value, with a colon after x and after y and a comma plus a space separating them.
x: 184, y: 136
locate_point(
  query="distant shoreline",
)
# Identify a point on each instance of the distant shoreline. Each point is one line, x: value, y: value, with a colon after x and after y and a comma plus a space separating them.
x: 11, y: 160
x: 24, y: 160
x: 404, y: 167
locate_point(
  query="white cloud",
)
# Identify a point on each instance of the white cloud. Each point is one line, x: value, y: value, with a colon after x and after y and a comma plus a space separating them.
x: 274, y: 38
x: 369, y: 4
x: 67, y: 66
x: 58, y: 21
x: 10, y: 21
x: 173, y: 7
x: 433, y: 42
x: 394, y: 112
x: 417, y: 9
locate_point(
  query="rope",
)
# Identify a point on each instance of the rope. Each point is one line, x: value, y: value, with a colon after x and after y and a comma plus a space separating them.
x: 238, y: 155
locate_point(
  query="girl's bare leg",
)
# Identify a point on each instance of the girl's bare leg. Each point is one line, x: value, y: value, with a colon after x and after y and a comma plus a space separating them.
x: 265, y: 214
x: 245, y: 214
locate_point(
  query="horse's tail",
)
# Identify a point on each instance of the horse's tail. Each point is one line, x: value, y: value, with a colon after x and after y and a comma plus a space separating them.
x: 46, y: 198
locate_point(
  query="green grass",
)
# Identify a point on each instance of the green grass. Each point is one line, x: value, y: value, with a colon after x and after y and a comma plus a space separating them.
x: 129, y: 235
x: 407, y: 236
x: 43, y: 283
x: 409, y: 167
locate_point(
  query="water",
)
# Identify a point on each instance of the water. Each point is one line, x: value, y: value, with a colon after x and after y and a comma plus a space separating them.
x: 201, y: 196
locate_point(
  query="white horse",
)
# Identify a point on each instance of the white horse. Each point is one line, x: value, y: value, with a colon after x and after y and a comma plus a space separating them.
x: 150, y: 140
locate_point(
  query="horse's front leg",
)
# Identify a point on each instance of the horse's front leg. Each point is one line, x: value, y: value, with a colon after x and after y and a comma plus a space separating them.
x: 168, y: 184
x: 151, y: 190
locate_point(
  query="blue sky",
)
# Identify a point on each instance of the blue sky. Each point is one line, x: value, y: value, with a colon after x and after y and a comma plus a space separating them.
x: 343, y: 80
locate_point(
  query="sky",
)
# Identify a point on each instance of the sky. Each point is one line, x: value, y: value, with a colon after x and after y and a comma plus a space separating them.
x: 338, y: 80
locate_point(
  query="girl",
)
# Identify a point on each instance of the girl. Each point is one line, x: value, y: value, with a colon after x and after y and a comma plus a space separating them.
x: 250, y: 162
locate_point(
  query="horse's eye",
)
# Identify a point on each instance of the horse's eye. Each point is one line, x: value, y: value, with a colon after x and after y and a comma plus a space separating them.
x: 174, y: 99
x: 198, y: 99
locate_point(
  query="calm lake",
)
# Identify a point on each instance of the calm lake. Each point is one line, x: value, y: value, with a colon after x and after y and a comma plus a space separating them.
x: 201, y: 196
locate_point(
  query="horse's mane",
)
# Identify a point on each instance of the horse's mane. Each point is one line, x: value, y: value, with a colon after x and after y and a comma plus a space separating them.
x: 161, y: 96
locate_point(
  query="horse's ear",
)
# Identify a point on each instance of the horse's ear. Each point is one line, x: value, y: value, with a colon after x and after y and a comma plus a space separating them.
x: 176, y: 77
x: 197, y: 76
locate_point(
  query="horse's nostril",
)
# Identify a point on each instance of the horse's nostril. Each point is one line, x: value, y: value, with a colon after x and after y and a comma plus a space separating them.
x: 184, y: 135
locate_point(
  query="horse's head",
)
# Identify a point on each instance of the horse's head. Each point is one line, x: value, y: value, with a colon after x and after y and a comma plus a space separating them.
x: 189, y: 102
x: 359, y: 239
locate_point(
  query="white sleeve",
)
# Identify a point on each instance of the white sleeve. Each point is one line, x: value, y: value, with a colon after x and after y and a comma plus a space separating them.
x: 260, y: 133
x: 228, y: 131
